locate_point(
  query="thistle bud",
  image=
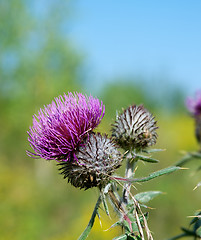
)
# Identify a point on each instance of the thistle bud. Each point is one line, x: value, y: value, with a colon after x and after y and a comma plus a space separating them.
x: 96, y: 159
x: 135, y: 128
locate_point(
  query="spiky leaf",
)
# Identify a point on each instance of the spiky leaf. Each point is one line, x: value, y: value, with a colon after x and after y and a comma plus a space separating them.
x: 145, y: 197
x: 146, y: 159
x: 156, y: 174
x: 198, y: 231
x: 87, y: 230
x: 105, y: 204
x: 188, y: 232
x: 152, y: 150
x: 122, y: 237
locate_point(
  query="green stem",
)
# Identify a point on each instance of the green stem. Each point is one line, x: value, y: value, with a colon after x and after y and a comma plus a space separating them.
x: 130, y: 165
x: 87, y: 230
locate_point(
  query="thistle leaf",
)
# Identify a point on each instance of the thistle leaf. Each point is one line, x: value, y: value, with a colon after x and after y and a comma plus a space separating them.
x: 188, y: 232
x: 198, y: 231
x: 189, y: 156
x: 87, y: 230
x: 147, y: 159
x: 122, y: 237
x: 145, y: 197
x: 196, y: 154
x: 116, y: 224
x: 153, y: 150
x: 184, y: 160
x: 151, y: 175
x: 156, y: 174
x: 105, y: 203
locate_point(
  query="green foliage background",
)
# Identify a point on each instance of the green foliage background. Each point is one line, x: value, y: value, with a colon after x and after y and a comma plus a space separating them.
x: 38, y: 63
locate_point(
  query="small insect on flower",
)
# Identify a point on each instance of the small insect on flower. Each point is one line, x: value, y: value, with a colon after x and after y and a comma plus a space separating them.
x: 59, y: 128
x: 135, y: 128
x: 147, y: 134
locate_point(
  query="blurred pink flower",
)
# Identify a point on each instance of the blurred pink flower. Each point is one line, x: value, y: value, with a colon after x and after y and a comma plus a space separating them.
x: 194, y: 104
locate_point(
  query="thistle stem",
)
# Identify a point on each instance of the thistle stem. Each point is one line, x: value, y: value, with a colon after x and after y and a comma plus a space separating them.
x: 129, y: 173
x: 91, y: 222
x: 119, y: 206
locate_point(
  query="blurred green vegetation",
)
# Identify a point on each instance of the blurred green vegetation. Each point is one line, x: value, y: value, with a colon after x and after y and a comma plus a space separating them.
x: 38, y: 63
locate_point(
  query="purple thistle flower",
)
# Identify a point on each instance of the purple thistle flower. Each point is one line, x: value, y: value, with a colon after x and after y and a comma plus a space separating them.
x: 60, y: 127
x: 194, y: 105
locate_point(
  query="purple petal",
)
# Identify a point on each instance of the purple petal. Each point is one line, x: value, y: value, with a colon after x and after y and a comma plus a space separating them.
x: 59, y: 127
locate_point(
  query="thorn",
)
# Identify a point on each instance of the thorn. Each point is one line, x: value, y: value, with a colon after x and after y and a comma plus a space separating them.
x: 151, y: 208
x: 135, y: 169
x: 195, y: 188
x: 134, y: 186
x: 99, y: 217
x: 198, y: 216
x: 139, y: 183
x: 126, y: 152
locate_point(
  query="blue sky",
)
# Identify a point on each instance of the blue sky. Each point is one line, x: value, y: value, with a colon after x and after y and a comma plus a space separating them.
x: 148, y: 38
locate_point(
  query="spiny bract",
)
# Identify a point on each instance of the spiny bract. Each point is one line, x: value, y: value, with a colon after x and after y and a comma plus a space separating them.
x: 135, y: 128
x: 96, y: 159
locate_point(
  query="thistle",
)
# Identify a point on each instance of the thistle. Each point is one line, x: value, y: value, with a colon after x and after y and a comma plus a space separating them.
x: 135, y: 128
x: 96, y: 159
x: 194, y: 107
x: 60, y: 127
x: 63, y: 131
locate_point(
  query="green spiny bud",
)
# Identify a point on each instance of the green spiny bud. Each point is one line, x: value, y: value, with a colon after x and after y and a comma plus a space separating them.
x: 135, y: 128
x: 97, y: 159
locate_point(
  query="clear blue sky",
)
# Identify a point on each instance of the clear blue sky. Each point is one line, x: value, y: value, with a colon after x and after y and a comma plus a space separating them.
x: 150, y: 38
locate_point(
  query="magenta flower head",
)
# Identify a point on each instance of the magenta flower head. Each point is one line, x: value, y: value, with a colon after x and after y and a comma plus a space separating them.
x: 59, y: 128
x: 194, y: 104
x: 63, y: 131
